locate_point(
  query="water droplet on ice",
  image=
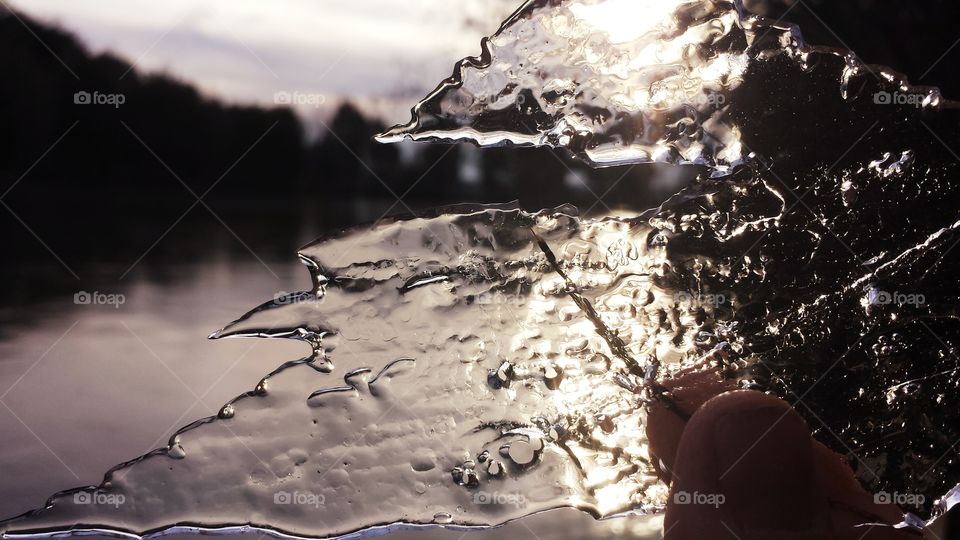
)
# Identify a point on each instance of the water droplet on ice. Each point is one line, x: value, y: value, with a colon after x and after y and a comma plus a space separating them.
x: 465, y: 477
x: 552, y: 376
x: 226, y: 412
x: 176, y: 451
x: 524, y: 452
x: 501, y: 377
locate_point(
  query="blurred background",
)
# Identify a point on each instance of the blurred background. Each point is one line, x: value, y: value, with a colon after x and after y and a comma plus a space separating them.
x: 138, y: 132
x: 176, y: 154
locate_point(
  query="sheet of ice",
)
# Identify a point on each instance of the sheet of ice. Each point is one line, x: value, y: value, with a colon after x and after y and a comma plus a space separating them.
x: 483, y: 364
x: 631, y: 81
x: 457, y: 380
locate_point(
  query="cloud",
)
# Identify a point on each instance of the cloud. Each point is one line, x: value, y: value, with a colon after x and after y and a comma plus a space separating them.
x: 247, y: 50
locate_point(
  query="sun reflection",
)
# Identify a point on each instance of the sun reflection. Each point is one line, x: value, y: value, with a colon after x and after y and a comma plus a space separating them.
x: 630, y: 81
x: 626, y: 20
x: 606, y: 267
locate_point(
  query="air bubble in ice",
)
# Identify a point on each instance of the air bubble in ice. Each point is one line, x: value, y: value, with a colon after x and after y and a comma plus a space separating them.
x: 552, y: 376
x: 442, y: 518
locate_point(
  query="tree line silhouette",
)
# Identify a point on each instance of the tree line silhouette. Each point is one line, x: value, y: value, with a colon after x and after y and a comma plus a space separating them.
x: 102, y: 158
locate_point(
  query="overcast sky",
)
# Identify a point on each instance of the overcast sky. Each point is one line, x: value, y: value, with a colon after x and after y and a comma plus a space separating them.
x: 248, y: 50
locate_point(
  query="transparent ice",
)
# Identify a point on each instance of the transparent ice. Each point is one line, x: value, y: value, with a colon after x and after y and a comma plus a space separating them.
x: 485, y: 363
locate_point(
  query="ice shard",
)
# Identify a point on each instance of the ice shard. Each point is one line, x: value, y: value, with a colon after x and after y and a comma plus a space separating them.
x: 634, y: 81
x: 469, y: 388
